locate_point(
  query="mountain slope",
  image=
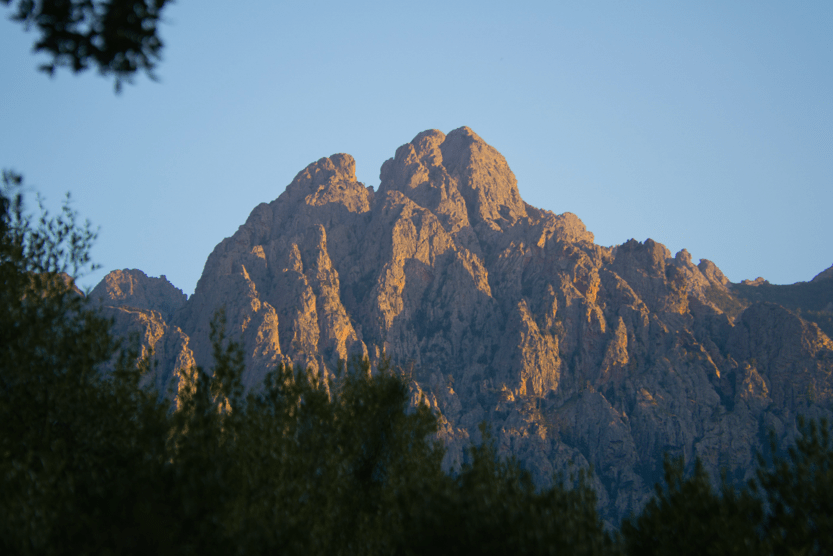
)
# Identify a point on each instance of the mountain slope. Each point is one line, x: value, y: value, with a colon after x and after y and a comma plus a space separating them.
x: 507, y: 313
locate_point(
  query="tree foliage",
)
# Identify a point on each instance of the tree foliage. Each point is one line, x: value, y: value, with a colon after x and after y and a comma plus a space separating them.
x: 119, y: 37
x: 799, y: 493
x: 73, y: 440
x: 786, y: 509
x: 687, y: 516
x: 491, y: 506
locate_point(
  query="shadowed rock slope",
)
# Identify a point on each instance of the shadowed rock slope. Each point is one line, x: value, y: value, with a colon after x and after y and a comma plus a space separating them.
x: 505, y: 313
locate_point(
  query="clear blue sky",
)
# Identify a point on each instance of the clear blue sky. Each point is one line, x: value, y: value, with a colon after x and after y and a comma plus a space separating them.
x: 703, y: 125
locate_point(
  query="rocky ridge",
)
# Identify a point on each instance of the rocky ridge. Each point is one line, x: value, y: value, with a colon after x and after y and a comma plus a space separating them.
x: 576, y: 354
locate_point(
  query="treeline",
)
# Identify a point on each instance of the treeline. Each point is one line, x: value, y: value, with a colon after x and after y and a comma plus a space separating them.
x: 90, y: 463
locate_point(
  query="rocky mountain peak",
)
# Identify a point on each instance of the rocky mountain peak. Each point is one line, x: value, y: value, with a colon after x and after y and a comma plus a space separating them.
x: 329, y: 180
x: 457, y: 175
x: 144, y: 306
x: 712, y: 273
x: 134, y: 288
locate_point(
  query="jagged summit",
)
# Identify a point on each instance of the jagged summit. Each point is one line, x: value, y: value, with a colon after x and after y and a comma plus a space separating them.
x: 457, y: 176
x: 134, y: 288
x: 329, y: 180
x: 571, y: 351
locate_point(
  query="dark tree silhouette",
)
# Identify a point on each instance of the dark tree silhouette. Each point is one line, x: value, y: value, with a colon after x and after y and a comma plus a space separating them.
x: 118, y: 37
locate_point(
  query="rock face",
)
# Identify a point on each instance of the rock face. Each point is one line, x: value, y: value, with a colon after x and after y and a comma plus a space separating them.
x: 133, y: 288
x: 574, y: 353
x: 140, y: 306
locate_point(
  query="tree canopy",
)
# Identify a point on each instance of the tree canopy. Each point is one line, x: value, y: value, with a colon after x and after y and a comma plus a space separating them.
x: 786, y: 509
x: 118, y: 37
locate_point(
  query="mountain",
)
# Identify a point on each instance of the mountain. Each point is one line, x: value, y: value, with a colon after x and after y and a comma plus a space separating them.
x: 575, y: 354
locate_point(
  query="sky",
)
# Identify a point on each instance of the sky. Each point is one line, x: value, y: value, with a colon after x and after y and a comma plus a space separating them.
x: 702, y: 125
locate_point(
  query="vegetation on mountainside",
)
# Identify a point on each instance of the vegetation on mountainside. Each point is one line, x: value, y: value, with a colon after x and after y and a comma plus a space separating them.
x: 786, y: 509
x: 798, y: 492
x: 687, y: 516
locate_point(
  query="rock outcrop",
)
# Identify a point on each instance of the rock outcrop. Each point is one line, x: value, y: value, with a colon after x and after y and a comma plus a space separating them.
x: 133, y: 288
x: 574, y: 353
x: 139, y: 307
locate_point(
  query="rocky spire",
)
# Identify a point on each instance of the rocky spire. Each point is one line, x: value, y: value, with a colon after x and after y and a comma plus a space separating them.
x: 458, y: 176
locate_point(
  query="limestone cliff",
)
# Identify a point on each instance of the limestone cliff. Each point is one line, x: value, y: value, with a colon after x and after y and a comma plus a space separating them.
x: 571, y: 351
x: 133, y: 288
x: 139, y: 307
